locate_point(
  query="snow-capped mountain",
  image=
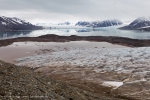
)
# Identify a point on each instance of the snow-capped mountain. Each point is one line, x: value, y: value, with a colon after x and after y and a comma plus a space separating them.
x: 137, y: 24
x: 8, y: 23
x: 95, y: 24
x: 83, y: 23
x: 107, y: 23
x: 65, y: 23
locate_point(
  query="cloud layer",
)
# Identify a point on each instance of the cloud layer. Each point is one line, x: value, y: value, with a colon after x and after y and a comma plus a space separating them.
x: 74, y: 10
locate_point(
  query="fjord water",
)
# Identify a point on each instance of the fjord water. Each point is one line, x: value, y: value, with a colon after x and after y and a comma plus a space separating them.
x: 135, y: 34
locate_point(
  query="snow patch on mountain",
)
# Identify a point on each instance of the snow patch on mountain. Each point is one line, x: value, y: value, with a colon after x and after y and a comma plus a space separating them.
x: 4, y: 23
x: 20, y: 21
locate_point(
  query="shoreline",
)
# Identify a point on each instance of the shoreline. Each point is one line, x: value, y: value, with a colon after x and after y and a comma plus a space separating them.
x: 56, y: 38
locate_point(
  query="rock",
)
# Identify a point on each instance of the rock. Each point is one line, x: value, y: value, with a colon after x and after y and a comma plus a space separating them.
x: 23, y: 84
x: 147, y: 84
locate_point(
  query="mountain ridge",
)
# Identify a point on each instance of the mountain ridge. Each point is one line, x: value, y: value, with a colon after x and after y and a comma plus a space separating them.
x: 141, y: 23
x: 14, y: 23
x: 105, y: 23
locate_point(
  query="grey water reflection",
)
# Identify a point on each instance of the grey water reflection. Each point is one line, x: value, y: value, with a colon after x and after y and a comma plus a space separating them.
x: 13, y: 34
x: 80, y: 32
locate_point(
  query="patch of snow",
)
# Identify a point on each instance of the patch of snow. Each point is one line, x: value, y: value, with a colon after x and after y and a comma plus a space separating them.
x: 113, y: 84
x: 4, y: 23
x: 17, y: 20
x: 144, y: 27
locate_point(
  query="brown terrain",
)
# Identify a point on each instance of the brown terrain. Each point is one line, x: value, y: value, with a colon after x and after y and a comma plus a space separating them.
x: 22, y: 83
x: 57, y: 38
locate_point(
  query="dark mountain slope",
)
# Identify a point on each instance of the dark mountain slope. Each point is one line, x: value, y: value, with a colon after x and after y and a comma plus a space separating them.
x: 7, y: 23
x: 141, y: 23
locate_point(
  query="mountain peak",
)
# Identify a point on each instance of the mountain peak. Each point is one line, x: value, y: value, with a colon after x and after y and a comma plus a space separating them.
x: 8, y: 23
x: 142, y: 19
x: 138, y: 23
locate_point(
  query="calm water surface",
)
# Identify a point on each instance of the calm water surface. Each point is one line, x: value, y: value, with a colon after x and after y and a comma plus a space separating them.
x: 79, y: 32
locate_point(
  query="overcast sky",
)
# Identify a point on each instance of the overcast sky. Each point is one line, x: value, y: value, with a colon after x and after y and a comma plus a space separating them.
x: 53, y: 11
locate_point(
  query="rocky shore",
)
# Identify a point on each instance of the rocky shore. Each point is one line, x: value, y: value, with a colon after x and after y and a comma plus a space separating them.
x: 57, y: 38
x: 21, y: 83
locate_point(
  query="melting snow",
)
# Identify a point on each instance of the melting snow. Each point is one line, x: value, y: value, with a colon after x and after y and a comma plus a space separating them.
x: 135, y: 61
x: 113, y: 84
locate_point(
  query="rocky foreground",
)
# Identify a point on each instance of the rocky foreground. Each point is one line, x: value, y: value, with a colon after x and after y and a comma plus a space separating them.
x: 21, y: 83
x: 125, y: 70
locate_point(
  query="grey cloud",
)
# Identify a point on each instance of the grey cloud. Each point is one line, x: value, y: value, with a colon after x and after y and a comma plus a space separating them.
x: 53, y: 10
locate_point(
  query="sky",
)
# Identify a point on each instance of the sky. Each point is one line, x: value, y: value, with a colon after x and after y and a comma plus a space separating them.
x: 55, y: 11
